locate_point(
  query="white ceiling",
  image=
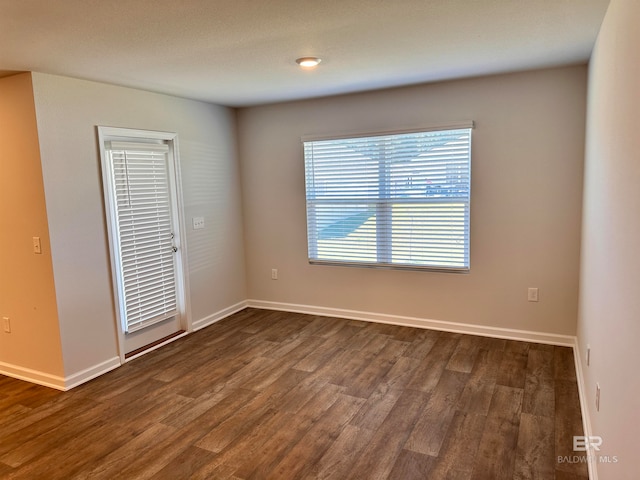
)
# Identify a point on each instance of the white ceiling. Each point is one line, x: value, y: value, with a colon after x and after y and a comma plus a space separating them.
x: 242, y: 52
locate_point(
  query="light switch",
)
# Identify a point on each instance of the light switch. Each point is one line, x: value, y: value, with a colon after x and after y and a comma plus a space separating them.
x: 198, y: 223
x: 36, y: 245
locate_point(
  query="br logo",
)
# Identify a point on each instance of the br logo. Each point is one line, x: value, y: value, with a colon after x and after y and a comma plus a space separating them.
x: 583, y: 443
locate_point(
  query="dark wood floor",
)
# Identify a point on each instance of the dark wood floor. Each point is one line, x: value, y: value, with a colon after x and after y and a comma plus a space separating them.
x: 287, y: 396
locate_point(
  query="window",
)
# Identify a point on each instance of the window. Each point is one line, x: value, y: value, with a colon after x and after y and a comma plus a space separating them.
x: 392, y: 200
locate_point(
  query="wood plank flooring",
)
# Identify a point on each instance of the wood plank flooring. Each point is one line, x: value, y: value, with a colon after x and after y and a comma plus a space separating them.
x: 272, y: 395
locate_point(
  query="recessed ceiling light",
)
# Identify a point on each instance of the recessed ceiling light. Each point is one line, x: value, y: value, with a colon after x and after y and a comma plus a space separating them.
x: 308, y: 62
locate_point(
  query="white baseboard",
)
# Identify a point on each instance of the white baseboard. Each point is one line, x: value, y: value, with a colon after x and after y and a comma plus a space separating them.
x: 55, y: 381
x: 584, y: 407
x: 33, y: 376
x: 90, y: 373
x: 217, y: 316
x: 481, y: 330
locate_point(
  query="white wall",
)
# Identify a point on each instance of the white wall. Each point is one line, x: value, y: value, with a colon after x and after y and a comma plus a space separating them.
x: 609, y: 318
x: 68, y: 111
x: 528, y: 150
x: 27, y: 290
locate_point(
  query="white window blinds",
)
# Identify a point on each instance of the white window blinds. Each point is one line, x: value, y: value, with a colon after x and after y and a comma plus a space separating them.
x: 398, y: 200
x: 146, y: 281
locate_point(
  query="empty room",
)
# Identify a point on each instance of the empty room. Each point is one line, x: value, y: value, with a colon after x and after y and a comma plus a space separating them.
x: 319, y: 240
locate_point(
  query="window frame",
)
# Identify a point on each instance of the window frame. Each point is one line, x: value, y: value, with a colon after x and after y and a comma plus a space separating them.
x: 384, y: 238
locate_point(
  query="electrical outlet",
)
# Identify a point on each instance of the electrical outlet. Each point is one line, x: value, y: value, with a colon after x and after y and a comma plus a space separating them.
x: 532, y: 294
x: 597, y: 397
x: 274, y: 274
x: 6, y: 324
x: 588, y: 354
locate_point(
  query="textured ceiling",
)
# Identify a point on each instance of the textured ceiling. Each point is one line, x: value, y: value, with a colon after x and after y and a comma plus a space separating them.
x: 242, y: 52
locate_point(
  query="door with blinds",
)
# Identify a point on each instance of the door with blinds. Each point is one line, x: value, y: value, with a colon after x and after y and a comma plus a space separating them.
x: 143, y: 215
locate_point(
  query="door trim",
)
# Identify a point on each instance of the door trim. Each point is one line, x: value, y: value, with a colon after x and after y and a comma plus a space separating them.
x: 106, y: 133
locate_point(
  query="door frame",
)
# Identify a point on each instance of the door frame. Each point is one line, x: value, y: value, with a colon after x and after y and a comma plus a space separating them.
x: 105, y: 134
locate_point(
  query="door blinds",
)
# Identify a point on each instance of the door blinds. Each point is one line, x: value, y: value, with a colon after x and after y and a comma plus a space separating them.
x: 145, y: 247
